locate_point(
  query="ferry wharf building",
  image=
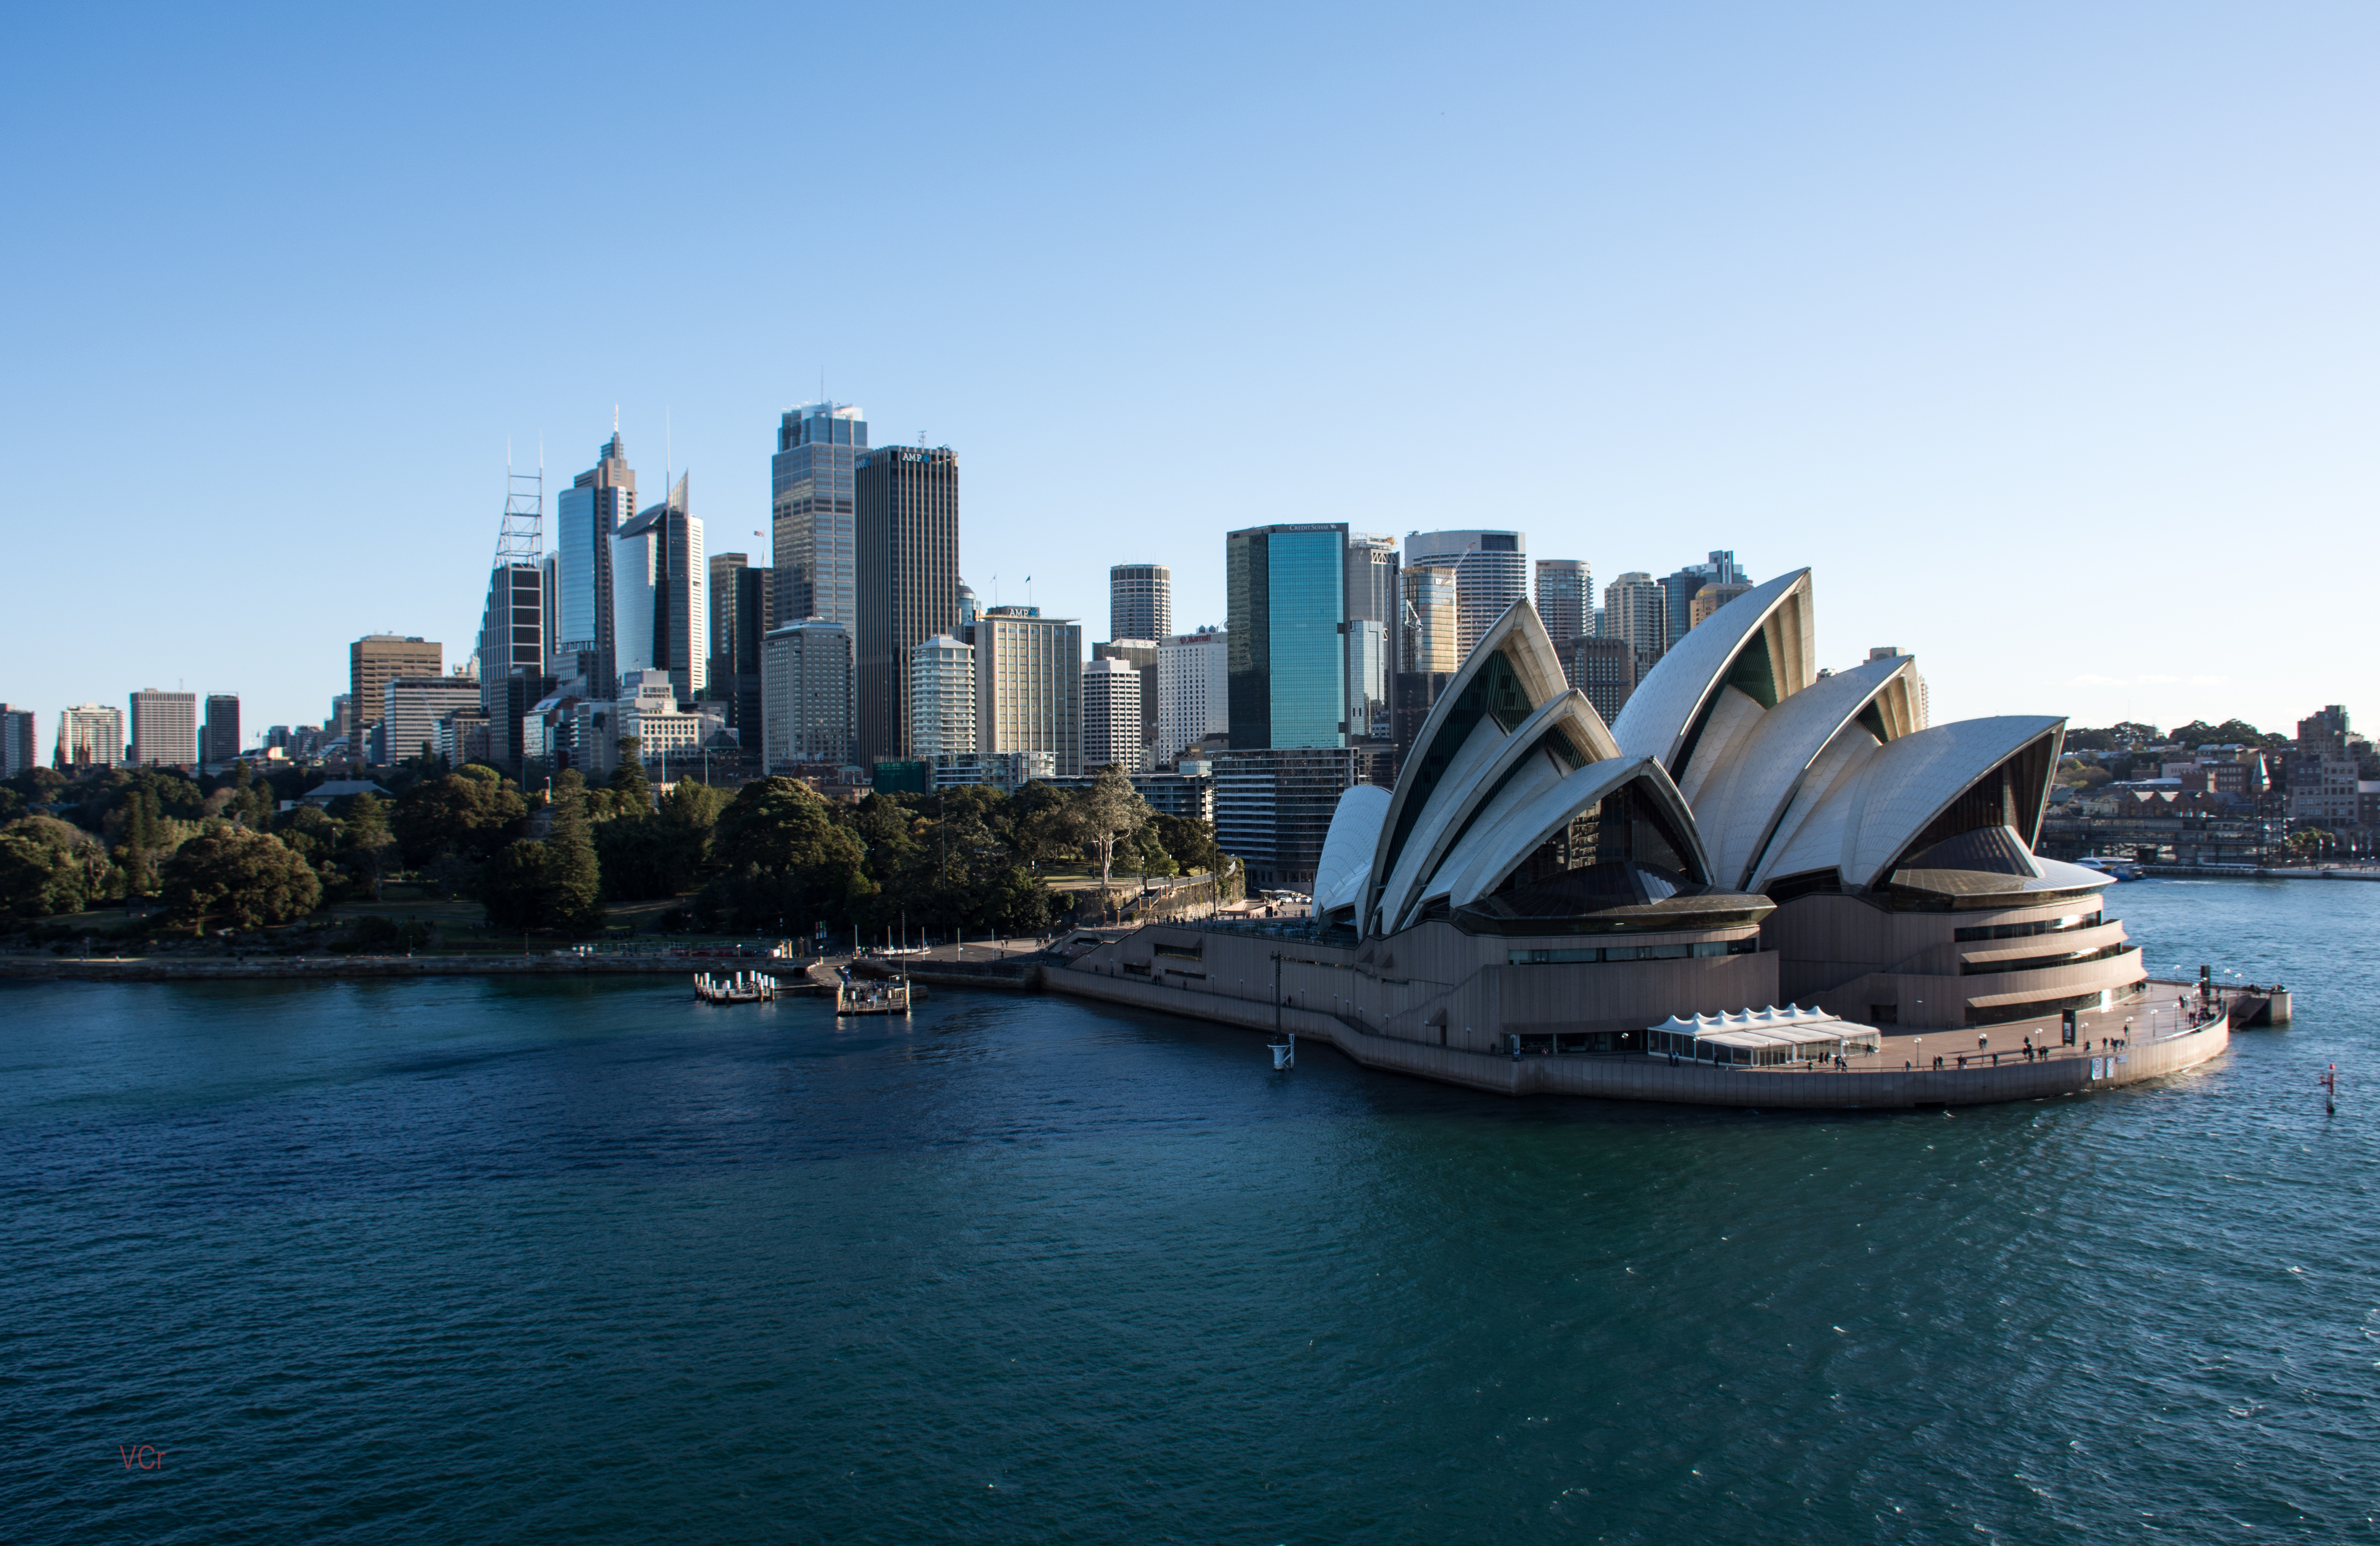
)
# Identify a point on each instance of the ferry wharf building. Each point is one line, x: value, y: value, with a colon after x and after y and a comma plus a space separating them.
x: 1750, y: 832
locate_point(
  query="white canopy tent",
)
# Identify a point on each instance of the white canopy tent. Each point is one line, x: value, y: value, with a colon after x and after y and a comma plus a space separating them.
x: 1762, y: 1038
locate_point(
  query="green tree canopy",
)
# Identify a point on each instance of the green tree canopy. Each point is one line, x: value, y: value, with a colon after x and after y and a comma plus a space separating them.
x: 628, y: 780
x: 367, y: 848
x: 229, y: 877
x: 786, y: 861
x: 514, y: 888
x: 39, y: 880
x: 574, y: 887
x: 471, y: 816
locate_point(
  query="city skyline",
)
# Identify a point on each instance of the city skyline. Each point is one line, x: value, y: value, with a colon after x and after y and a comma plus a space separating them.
x: 1703, y: 304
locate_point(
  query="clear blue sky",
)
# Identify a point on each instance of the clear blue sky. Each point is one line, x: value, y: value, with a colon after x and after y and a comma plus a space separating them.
x: 2047, y: 334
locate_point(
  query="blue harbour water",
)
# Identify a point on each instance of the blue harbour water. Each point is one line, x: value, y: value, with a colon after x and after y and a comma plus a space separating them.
x: 465, y: 1259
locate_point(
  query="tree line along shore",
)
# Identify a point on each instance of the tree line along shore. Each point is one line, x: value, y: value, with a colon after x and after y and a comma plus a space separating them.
x: 465, y: 859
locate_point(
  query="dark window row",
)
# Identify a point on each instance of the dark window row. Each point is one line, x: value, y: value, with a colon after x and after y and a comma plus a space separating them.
x: 2025, y: 931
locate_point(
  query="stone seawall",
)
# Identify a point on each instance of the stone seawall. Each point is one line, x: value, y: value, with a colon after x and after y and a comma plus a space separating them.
x: 1646, y: 1078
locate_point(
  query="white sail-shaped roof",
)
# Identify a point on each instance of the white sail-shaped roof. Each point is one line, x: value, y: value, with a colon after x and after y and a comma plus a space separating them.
x: 1562, y: 734
x: 1743, y: 787
x: 1490, y: 855
x: 1864, y: 822
x: 1511, y: 674
x: 1769, y: 621
x: 1346, y: 860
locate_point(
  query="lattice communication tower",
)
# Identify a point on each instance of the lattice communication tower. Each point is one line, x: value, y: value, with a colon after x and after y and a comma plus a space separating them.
x: 521, y: 540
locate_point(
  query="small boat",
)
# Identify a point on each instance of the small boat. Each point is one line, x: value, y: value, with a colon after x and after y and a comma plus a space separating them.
x: 877, y: 997
x: 745, y: 986
x: 2114, y: 869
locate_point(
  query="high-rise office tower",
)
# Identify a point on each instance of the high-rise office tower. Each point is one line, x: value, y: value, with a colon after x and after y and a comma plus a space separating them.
x: 1194, y: 693
x: 806, y: 695
x: 1491, y: 567
x: 412, y: 706
x: 17, y: 752
x: 91, y: 736
x: 588, y: 515
x: 221, y: 743
x: 906, y: 523
x: 722, y: 567
x: 739, y: 610
x: 372, y: 661
x: 1604, y: 669
x: 1711, y: 597
x: 1430, y: 644
x: 1029, y: 675
x: 969, y: 609
x: 1565, y: 598
x: 941, y: 699
x: 1680, y: 589
x: 1141, y: 655
x: 1140, y: 601
x: 1374, y: 630
x: 813, y: 504
x: 1636, y: 608
x: 1112, y: 717
x: 512, y: 634
x: 165, y: 729
x: 1286, y: 593
x: 660, y: 595
x: 512, y: 623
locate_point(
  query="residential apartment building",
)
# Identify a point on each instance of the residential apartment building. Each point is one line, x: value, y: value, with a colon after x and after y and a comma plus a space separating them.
x: 91, y: 736
x: 1112, y: 717
x: 1635, y: 608
x: 941, y: 699
x: 1141, y: 655
x: 1565, y: 598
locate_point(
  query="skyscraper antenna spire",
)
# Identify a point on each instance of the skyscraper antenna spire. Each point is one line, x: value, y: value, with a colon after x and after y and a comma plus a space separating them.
x: 615, y: 419
x: 667, y: 461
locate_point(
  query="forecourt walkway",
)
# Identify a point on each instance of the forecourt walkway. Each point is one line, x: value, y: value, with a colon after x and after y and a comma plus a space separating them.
x: 1878, y: 1081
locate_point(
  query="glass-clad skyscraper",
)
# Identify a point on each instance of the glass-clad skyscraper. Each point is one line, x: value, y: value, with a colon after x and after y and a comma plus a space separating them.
x: 1287, y: 659
x: 588, y: 515
x: 812, y: 512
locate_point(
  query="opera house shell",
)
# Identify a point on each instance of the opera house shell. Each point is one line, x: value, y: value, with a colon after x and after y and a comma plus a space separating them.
x: 1751, y: 831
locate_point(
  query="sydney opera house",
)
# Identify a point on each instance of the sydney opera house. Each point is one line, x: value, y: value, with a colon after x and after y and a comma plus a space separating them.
x: 1752, y: 831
